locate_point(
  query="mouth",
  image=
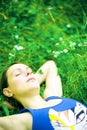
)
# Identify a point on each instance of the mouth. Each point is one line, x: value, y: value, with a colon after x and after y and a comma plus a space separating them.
x: 31, y: 79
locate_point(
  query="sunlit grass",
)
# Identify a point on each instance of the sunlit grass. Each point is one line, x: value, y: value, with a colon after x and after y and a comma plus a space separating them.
x: 33, y: 33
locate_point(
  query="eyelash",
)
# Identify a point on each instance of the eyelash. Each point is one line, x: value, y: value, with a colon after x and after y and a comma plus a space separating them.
x: 20, y: 73
x: 17, y: 74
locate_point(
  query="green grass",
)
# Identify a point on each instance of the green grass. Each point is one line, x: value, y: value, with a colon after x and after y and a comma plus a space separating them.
x: 33, y: 32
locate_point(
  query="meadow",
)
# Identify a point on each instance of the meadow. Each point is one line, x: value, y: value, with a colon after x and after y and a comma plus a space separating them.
x: 35, y: 31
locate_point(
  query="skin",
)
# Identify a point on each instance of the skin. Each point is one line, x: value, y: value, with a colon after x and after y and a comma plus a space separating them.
x: 19, y: 78
x: 24, y: 86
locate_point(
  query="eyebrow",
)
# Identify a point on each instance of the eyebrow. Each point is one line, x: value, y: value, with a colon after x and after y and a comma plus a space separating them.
x: 19, y: 69
x: 14, y: 70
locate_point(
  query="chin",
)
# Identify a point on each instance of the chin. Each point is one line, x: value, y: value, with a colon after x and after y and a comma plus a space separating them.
x: 33, y: 85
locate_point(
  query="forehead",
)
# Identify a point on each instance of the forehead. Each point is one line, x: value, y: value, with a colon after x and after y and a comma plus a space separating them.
x: 16, y: 67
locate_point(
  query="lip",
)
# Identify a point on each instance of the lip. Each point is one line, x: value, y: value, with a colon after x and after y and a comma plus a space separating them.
x: 32, y: 78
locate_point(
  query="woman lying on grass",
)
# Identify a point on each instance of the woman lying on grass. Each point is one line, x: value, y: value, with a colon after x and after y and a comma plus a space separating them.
x: 50, y: 112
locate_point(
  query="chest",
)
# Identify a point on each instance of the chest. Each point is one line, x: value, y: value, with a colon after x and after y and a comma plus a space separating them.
x: 60, y: 118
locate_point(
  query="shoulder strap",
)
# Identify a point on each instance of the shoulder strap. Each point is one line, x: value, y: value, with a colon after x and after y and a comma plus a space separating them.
x: 52, y: 97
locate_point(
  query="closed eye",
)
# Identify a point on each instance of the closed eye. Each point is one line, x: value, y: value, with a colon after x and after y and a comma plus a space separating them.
x: 17, y: 74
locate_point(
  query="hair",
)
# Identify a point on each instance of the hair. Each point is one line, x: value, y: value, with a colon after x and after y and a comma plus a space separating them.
x: 4, y: 84
x: 4, y: 78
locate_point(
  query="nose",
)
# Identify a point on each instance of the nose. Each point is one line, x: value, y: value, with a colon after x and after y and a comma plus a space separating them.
x: 28, y: 73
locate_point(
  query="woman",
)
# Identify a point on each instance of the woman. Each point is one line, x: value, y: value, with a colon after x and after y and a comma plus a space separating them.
x: 50, y: 112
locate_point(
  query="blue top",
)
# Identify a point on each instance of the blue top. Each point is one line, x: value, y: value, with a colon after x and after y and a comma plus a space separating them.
x: 66, y: 115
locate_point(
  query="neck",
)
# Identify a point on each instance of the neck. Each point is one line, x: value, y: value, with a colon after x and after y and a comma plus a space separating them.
x: 33, y: 102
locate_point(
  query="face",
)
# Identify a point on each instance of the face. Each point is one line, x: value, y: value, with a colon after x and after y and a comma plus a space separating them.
x: 21, y: 80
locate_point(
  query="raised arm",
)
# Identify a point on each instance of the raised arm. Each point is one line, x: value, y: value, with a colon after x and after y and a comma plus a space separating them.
x: 49, y: 73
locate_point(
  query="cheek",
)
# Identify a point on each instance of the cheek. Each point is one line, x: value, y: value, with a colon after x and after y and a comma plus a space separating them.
x: 17, y: 85
x: 17, y: 82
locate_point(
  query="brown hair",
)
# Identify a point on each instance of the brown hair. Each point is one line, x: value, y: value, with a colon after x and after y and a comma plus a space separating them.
x: 4, y: 79
x: 4, y: 84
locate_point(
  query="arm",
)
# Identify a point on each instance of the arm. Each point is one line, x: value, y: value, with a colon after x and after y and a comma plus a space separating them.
x: 53, y: 81
x: 16, y: 122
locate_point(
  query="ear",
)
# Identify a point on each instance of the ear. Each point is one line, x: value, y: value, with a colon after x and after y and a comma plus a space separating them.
x: 7, y: 92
